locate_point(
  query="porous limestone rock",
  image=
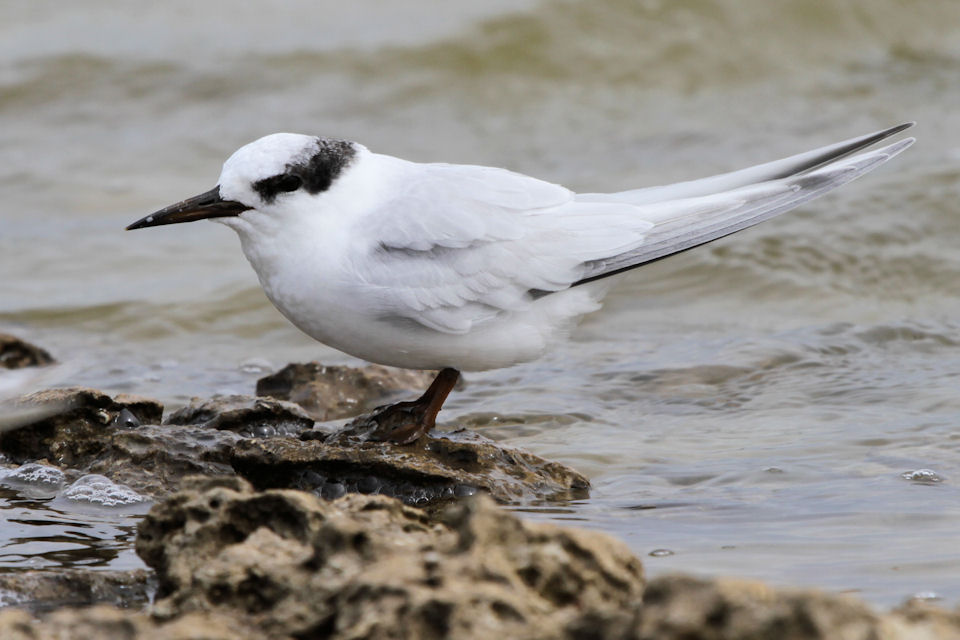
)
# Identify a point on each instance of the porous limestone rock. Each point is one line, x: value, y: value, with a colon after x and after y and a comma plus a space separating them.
x: 370, y: 567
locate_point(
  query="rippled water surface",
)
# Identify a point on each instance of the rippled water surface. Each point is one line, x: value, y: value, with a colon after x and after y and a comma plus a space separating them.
x: 782, y: 404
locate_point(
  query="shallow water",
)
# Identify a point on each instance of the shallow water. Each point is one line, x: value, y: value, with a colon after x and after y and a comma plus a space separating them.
x: 751, y: 406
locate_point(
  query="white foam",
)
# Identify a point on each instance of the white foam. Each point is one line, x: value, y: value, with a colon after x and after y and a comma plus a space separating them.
x: 34, y: 480
x: 101, y: 490
x: 38, y: 474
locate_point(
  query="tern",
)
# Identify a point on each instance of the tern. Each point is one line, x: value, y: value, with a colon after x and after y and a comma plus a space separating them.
x: 461, y: 267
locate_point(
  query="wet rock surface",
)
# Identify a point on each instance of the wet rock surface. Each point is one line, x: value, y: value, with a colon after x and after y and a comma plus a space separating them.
x: 154, y: 459
x: 439, y: 467
x: 370, y: 567
x: 79, y: 428
x: 246, y: 415
x: 119, y: 438
x: 16, y: 353
x: 274, y: 445
x: 333, y: 392
x: 43, y: 591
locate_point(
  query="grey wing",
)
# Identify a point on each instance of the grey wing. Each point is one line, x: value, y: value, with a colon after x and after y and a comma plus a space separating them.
x: 464, y: 244
x: 681, y: 224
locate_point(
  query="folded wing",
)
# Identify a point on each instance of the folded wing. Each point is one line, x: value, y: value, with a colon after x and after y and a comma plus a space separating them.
x: 461, y: 245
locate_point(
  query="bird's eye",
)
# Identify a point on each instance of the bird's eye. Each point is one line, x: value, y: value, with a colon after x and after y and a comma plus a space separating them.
x: 288, y: 182
x: 268, y: 188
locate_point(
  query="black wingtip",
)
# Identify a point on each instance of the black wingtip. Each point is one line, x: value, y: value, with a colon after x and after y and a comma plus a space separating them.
x: 892, y: 131
x: 844, y: 149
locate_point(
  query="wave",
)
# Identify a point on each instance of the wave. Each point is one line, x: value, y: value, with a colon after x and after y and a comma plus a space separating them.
x: 690, y: 43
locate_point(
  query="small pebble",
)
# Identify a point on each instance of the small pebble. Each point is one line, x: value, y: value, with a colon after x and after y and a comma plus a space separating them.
x: 126, y: 420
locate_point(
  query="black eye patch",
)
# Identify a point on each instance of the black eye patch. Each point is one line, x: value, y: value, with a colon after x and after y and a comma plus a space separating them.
x: 268, y: 188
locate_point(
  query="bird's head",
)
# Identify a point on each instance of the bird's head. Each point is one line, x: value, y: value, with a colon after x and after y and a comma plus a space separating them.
x: 269, y: 176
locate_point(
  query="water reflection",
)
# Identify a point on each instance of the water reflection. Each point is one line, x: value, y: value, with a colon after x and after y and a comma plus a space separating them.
x: 38, y: 535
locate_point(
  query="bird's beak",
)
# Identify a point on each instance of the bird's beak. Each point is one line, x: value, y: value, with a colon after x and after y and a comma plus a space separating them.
x: 205, y: 205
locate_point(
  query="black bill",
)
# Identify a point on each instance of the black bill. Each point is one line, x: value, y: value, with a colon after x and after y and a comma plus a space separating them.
x: 205, y: 205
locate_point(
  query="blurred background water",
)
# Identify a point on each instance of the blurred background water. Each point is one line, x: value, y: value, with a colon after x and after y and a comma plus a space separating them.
x: 759, y: 407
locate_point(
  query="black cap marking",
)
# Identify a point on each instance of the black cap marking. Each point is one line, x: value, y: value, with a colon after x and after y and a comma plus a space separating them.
x: 315, y: 175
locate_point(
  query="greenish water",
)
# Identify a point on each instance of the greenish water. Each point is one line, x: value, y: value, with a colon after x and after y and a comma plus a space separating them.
x: 750, y: 406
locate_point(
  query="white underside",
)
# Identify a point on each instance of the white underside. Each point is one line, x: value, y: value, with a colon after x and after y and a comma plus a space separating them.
x: 505, y: 340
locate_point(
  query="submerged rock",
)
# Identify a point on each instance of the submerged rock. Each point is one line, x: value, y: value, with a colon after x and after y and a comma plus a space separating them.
x: 369, y: 567
x: 16, y: 353
x: 333, y: 392
x: 440, y: 466
x: 41, y: 591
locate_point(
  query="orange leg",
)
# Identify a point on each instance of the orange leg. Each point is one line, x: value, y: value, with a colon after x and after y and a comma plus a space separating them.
x: 405, y: 422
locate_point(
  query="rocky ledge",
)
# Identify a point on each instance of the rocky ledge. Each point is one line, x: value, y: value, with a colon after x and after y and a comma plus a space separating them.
x: 274, y: 444
x: 232, y: 562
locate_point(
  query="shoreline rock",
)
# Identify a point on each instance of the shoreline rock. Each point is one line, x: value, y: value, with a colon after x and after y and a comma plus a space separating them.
x: 440, y: 467
x: 17, y: 354
x: 77, y: 430
x: 275, y: 444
